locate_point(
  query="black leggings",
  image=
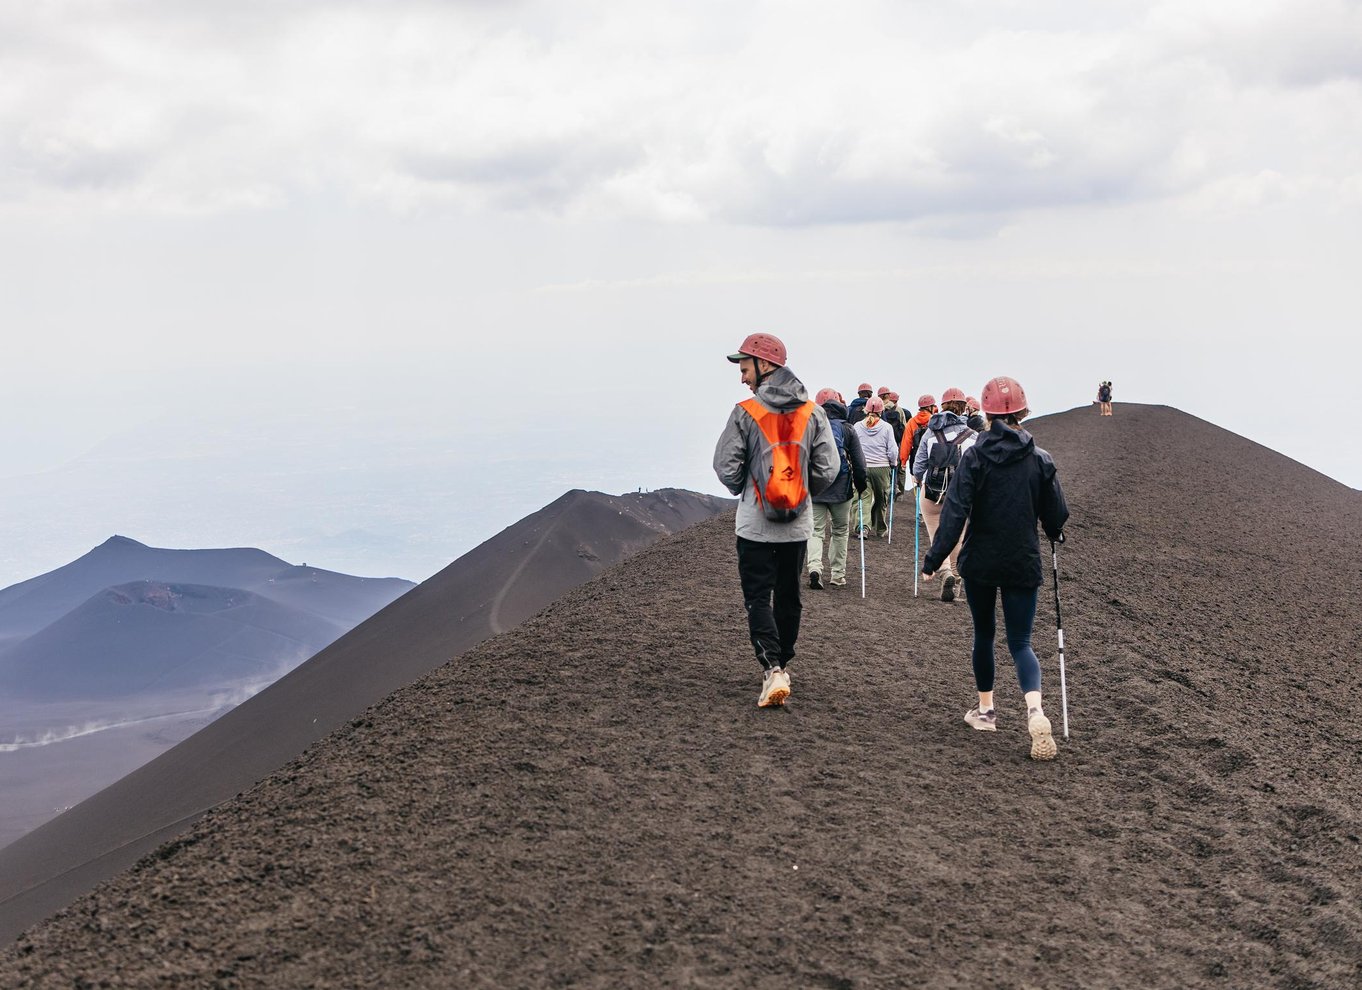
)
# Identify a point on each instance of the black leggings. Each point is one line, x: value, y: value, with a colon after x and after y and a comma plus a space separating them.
x: 1019, y: 616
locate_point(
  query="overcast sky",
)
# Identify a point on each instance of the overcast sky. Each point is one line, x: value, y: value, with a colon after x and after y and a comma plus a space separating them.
x: 488, y: 213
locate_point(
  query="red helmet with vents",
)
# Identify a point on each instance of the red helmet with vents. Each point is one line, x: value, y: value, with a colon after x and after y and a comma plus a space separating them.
x: 1003, y: 396
x: 761, y: 345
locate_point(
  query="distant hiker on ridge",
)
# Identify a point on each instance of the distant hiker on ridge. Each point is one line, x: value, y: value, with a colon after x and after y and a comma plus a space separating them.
x: 1104, y: 398
x: 877, y: 443
x: 776, y: 451
x: 832, y: 506
x: 1004, y: 484
x: 938, y: 460
x: 856, y: 411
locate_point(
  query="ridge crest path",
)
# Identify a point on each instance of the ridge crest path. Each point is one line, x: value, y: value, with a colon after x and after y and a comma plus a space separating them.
x: 593, y: 798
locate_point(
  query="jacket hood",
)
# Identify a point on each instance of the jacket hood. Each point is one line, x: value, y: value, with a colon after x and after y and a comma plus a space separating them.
x: 1003, y: 445
x: 782, y: 391
x: 922, y: 417
x: 944, y: 420
x: 835, y: 409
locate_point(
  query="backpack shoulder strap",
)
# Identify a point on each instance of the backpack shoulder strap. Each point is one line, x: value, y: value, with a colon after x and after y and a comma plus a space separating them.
x: 963, y: 435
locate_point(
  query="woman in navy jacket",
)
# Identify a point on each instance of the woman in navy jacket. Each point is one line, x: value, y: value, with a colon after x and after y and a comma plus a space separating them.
x: 1004, y: 484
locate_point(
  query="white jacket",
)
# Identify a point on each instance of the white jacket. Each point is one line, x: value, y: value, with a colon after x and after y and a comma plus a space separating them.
x: 878, y: 444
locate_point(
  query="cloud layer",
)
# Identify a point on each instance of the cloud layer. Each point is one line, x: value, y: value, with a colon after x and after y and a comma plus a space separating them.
x: 764, y: 113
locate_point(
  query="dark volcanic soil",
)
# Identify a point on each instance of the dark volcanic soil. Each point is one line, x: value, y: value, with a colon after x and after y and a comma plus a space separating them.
x: 594, y: 799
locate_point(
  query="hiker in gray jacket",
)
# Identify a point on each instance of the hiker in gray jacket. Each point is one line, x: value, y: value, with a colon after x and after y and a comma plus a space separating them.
x: 775, y: 482
x: 881, y: 457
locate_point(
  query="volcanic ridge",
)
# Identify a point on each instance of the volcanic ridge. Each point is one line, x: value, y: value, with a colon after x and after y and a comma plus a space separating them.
x: 593, y: 798
x: 497, y: 584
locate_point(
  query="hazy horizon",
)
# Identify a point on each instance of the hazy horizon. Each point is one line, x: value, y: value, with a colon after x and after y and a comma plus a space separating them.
x: 524, y: 235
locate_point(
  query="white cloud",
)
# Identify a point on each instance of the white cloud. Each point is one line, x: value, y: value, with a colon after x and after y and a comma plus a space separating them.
x: 770, y: 113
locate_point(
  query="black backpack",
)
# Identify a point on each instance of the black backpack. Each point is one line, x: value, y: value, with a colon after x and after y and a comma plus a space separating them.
x: 942, y: 460
x: 917, y: 442
x: 894, y: 417
x: 839, y: 429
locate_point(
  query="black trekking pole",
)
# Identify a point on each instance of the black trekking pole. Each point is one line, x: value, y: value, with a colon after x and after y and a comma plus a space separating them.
x: 1059, y: 628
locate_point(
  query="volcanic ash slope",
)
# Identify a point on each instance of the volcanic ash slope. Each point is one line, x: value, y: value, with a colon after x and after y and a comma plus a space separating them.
x: 499, y: 583
x: 594, y: 799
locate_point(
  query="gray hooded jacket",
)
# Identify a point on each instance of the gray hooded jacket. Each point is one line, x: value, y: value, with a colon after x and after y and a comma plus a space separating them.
x: 740, y: 445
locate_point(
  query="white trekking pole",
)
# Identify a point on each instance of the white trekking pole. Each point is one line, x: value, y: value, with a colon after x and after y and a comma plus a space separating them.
x: 1059, y: 628
x: 893, y: 497
x: 917, y: 557
x: 860, y: 525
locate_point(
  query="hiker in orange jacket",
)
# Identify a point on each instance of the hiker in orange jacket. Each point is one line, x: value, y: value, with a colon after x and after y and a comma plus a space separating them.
x: 774, y: 520
x: 926, y: 407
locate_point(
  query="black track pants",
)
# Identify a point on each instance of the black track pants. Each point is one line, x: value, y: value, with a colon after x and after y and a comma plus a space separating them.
x: 771, y: 574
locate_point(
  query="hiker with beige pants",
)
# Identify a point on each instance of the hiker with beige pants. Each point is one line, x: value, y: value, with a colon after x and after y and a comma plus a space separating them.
x: 948, y: 434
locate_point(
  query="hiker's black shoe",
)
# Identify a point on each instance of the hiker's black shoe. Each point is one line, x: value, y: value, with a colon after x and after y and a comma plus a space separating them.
x: 815, y: 580
x: 948, y: 588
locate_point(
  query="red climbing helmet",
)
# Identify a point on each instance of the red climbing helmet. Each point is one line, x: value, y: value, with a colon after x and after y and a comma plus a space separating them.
x: 873, y: 407
x: 924, y: 401
x: 892, y: 397
x: 884, y: 390
x: 1003, y: 396
x: 827, y: 395
x: 864, y: 387
x: 952, y: 395
x: 761, y: 345
x: 972, y: 402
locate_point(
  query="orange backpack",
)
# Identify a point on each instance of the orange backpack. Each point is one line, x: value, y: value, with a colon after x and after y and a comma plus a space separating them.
x: 781, y: 461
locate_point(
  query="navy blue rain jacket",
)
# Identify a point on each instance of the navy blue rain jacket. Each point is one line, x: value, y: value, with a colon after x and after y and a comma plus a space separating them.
x: 840, y: 490
x: 1004, y: 484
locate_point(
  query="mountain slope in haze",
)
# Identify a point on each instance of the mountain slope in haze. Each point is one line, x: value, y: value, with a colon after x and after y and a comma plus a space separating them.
x: 148, y: 637
x: 492, y: 587
x: 28, y: 606
x: 113, y: 658
x: 593, y: 798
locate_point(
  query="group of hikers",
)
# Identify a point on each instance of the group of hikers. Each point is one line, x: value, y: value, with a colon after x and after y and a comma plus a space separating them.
x: 802, y: 468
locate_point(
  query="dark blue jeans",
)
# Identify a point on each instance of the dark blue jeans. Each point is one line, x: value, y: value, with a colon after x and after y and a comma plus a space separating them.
x: 771, y: 574
x: 1019, y: 616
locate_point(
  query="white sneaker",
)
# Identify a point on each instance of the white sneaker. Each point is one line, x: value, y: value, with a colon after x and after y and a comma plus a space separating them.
x: 1042, y: 742
x: 775, y: 688
x: 983, y: 721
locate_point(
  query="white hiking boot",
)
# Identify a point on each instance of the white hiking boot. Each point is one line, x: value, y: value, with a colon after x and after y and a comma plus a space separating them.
x: 775, y: 688
x: 1042, y: 742
x: 948, y: 588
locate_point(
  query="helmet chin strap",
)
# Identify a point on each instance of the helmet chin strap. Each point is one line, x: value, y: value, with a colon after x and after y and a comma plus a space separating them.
x: 761, y: 375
